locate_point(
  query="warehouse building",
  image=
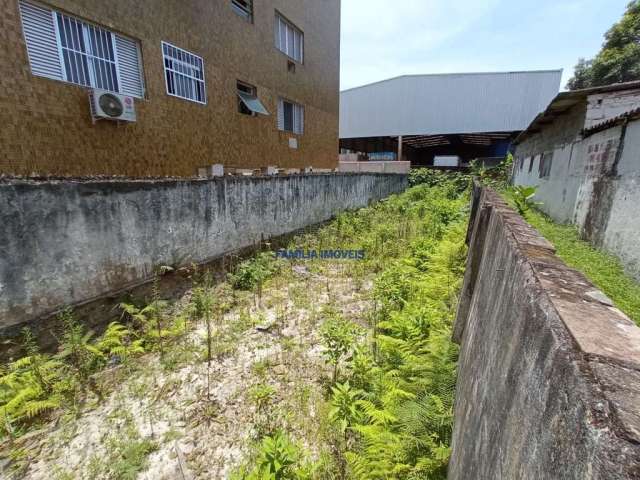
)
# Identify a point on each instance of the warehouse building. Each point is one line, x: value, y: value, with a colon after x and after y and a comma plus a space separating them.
x: 164, y: 87
x: 446, y: 119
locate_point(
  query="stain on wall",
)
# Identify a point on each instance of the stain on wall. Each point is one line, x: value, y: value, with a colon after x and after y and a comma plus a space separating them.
x: 549, y: 372
x: 594, y: 180
x: 69, y: 242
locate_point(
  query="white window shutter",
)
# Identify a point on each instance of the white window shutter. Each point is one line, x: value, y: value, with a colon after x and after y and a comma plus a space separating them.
x: 42, y: 43
x: 301, y: 120
x: 131, y: 82
x: 280, y: 114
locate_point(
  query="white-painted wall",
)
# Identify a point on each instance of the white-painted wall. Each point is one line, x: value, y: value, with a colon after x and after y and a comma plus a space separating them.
x: 622, y: 234
x: 590, y: 184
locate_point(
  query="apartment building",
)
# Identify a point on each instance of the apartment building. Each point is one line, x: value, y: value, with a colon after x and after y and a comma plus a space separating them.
x: 165, y: 87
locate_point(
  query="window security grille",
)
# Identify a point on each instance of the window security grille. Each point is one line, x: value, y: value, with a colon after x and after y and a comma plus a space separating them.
x: 184, y: 74
x: 62, y: 47
x: 290, y: 117
x: 244, y: 8
x: 289, y: 39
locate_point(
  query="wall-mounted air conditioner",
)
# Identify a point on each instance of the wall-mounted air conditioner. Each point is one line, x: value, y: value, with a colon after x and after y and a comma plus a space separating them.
x: 112, y: 106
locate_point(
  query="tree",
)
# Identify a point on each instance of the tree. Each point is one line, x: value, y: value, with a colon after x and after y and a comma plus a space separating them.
x: 581, y: 75
x: 619, y: 58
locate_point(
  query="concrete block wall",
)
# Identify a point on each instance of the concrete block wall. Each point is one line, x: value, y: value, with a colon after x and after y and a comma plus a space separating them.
x: 72, y: 241
x: 549, y: 372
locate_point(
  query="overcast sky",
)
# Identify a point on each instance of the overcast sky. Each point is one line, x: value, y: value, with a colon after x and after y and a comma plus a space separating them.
x: 386, y: 38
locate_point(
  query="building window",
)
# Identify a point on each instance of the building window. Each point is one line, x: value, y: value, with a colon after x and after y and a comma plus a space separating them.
x: 62, y: 47
x: 184, y: 74
x: 290, y: 117
x: 248, y: 103
x: 244, y: 8
x: 289, y: 39
x: 545, y: 165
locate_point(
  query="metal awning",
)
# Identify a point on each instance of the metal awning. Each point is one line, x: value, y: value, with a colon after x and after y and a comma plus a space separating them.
x: 252, y: 103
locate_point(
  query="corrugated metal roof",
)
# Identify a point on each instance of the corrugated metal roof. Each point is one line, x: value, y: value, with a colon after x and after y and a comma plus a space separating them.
x: 447, y: 103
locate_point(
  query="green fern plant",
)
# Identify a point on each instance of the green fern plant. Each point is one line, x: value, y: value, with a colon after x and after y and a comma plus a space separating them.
x: 76, y: 348
x: 118, y: 341
x: 31, y: 386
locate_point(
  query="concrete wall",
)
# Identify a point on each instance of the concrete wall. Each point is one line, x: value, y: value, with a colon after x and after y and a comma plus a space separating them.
x: 621, y: 232
x: 603, y: 106
x: 68, y: 242
x: 549, y: 372
x: 373, y: 166
x: 594, y: 180
x: 559, y: 190
x: 46, y: 125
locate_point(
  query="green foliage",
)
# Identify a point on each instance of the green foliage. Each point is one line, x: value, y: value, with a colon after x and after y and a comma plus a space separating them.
x: 425, y: 176
x: 118, y: 341
x: 396, y: 419
x: 76, y: 347
x: 603, y: 269
x: 432, y: 178
x: 523, y: 198
x: 33, y: 385
x: 126, y: 454
x: 410, y: 412
x: 252, y: 273
x: 345, y: 409
x: 338, y: 338
x: 149, y: 321
x: 495, y: 177
x: 619, y: 58
x: 261, y: 395
x: 279, y: 458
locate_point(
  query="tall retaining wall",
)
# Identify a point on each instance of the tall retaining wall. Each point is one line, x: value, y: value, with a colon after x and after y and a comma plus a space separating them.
x: 549, y: 373
x: 71, y: 241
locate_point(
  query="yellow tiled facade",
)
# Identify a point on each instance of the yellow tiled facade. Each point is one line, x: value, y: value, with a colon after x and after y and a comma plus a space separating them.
x: 46, y: 127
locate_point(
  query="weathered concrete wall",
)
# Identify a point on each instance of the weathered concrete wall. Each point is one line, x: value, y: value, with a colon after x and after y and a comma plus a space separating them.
x: 559, y: 190
x: 549, y: 373
x: 603, y: 106
x: 594, y: 180
x: 68, y: 242
x: 607, y: 208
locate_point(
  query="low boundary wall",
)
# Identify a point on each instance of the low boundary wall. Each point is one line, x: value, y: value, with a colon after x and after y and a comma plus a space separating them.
x: 549, y: 372
x: 66, y: 242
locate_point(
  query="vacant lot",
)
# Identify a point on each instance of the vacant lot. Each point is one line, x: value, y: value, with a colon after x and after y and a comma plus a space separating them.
x: 307, y: 368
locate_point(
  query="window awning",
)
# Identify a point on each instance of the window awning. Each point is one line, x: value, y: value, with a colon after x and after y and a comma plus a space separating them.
x: 252, y: 103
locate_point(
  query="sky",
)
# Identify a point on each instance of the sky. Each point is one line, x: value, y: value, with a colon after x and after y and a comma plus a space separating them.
x: 386, y: 38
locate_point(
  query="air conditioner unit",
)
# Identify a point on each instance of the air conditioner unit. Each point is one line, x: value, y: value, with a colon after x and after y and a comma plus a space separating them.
x: 112, y: 106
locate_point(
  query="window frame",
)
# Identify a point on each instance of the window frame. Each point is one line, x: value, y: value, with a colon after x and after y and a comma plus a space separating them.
x: 88, y: 55
x: 241, y: 12
x: 281, y: 19
x: 297, y: 113
x: 544, y: 169
x: 174, y: 72
x: 241, y: 105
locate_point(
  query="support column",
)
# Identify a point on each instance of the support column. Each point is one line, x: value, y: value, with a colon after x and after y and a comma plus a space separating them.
x: 399, y: 148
